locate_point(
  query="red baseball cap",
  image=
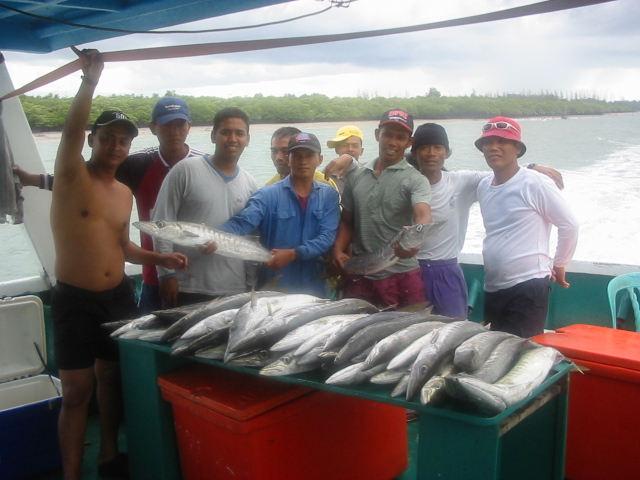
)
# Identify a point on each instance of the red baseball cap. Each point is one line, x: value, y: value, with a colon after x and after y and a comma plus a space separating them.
x: 399, y: 117
x: 504, y: 127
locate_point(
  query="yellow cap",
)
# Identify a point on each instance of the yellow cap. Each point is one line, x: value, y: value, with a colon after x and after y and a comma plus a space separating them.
x: 344, y: 133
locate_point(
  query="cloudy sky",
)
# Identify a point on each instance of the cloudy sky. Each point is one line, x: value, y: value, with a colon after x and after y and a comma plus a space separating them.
x: 592, y: 50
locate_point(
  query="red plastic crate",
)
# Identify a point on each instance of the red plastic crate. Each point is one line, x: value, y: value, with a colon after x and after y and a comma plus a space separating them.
x: 603, y: 426
x: 231, y: 425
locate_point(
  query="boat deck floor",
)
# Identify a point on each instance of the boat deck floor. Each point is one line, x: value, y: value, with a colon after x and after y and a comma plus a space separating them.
x: 90, y: 462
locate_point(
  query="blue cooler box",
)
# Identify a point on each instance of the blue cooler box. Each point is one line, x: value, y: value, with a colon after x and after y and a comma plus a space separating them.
x: 29, y: 402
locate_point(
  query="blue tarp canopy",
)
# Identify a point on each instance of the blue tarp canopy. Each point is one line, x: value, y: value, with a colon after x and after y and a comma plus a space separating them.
x: 35, y: 27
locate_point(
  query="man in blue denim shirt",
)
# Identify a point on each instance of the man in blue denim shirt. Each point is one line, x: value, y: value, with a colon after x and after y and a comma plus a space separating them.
x: 297, y: 219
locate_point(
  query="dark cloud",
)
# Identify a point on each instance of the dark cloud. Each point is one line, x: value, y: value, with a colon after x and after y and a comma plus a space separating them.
x: 559, y: 51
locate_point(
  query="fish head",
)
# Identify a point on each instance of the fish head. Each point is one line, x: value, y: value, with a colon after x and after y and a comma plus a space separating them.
x: 160, y: 229
x: 171, y: 231
x: 416, y: 235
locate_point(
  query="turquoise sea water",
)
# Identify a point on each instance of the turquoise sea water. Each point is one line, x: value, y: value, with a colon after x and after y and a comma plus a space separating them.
x: 599, y: 158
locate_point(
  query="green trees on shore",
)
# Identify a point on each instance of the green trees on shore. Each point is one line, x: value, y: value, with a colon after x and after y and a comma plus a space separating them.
x: 48, y: 112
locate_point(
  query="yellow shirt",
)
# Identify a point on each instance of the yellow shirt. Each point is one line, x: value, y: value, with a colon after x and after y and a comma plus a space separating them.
x: 317, y: 176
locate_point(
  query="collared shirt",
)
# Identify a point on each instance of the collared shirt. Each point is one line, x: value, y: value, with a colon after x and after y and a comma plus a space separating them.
x: 317, y: 176
x: 382, y: 206
x: 276, y: 212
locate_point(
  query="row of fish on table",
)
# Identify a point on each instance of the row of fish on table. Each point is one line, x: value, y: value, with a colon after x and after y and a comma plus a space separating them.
x: 417, y: 354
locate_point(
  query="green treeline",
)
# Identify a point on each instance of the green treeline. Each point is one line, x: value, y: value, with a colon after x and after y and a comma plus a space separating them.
x: 48, y: 112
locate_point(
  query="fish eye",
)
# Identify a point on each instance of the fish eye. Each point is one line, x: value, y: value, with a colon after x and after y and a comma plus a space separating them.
x: 286, y: 360
x: 160, y: 224
x: 420, y: 227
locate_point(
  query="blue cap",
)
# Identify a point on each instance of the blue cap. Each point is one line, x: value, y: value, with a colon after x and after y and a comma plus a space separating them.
x: 169, y: 108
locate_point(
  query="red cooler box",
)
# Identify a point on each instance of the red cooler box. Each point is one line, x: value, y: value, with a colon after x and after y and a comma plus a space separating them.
x: 232, y: 425
x: 603, y: 431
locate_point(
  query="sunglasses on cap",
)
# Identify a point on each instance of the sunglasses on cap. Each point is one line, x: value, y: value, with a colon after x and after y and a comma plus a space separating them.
x: 499, y: 126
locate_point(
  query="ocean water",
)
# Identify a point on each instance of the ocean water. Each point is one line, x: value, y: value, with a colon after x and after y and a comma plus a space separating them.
x: 599, y: 158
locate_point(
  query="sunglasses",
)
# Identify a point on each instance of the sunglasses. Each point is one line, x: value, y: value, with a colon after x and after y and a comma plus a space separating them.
x: 499, y: 126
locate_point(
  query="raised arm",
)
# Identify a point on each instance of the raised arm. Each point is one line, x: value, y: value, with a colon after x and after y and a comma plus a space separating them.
x: 69, y: 161
x: 340, y: 166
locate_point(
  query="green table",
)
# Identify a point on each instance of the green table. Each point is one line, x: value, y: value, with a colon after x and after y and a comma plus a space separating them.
x: 527, y: 441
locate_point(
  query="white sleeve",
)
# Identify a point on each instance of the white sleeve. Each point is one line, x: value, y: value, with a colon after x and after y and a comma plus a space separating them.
x: 557, y: 211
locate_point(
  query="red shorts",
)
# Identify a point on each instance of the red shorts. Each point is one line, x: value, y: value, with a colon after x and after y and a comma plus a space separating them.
x: 401, y: 289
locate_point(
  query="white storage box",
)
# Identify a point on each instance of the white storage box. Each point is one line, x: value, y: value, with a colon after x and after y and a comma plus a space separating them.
x: 29, y: 401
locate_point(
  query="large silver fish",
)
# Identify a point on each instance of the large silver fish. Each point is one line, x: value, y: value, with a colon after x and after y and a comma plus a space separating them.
x: 284, y: 321
x: 388, y: 377
x: 446, y: 340
x: 10, y: 189
x: 213, y: 353
x: 383, y: 258
x: 500, y: 360
x: 473, y: 352
x: 406, y: 357
x: 195, y: 234
x: 528, y: 373
x: 433, y: 392
x: 339, y: 338
x: 353, y: 375
x: 368, y: 336
x: 256, y: 359
x: 143, y: 323
x: 389, y: 347
x: 300, y: 335
x: 210, y: 332
x: 252, y: 314
x: 286, y: 365
x: 215, y: 306
x: 220, y: 320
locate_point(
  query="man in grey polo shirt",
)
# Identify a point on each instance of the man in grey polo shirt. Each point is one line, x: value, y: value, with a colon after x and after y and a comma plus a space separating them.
x: 378, y: 201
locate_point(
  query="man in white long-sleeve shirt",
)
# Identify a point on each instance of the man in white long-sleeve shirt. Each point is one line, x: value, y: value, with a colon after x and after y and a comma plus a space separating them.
x: 518, y: 209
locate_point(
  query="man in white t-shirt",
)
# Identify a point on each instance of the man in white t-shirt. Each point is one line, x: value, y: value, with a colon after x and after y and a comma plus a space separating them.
x: 518, y: 209
x: 452, y: 194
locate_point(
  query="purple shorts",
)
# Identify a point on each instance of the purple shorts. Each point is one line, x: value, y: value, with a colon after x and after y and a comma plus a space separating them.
x: 445, y: 287
x: 400, y: 289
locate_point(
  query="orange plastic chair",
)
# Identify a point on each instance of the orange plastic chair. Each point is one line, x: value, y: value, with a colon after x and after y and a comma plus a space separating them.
x: 629, y: 282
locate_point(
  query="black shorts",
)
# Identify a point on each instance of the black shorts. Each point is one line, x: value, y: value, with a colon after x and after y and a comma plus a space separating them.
x: 77, y: 315
x: 521, y: 309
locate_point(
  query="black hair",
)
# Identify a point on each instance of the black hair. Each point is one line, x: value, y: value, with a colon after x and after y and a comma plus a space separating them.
x: 229, y: 112
x: 285, y: 132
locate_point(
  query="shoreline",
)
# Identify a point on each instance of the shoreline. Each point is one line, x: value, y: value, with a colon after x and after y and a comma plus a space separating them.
x: 50, y: 135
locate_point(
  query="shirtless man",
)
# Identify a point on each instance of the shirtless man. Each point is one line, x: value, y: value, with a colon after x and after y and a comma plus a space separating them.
x: 90, y: 214
x: 143, y: 172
